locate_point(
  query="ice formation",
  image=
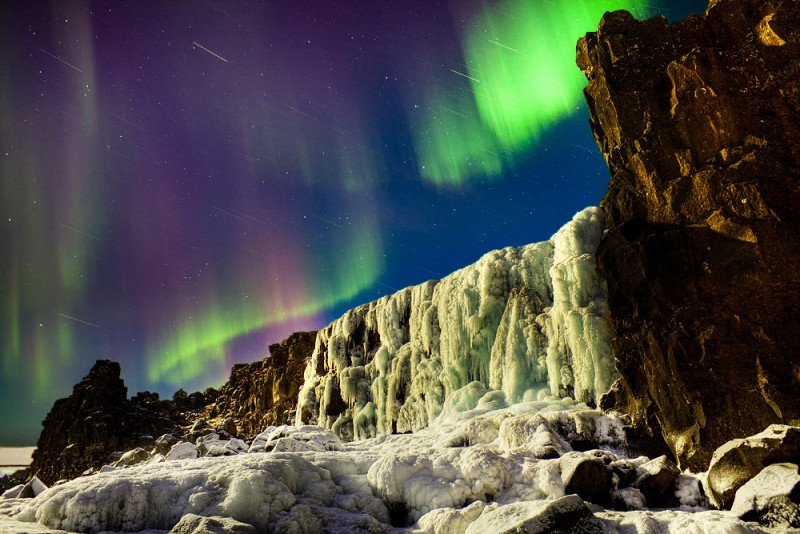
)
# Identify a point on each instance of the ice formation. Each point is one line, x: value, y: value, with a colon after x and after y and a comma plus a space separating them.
x: 521, y: 324
x: 485, y: 466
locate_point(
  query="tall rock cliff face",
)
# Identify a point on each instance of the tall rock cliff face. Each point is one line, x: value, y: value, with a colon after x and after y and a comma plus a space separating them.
x: 521, y: 324
x: 700, y: 125
x: 264, y: 393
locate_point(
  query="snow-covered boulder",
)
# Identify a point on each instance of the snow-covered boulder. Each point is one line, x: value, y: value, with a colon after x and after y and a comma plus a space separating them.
x: 772, y: 497
x: 569, y: 514
x: 587, y: 476
x: 182, y: 451
x: 196, y: 524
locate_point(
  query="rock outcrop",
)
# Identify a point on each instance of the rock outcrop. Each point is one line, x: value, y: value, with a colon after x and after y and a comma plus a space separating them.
x: 98, y: 422
x: 521, y: 324
x: 264, y: 393
x: 85, y: 429
x: 699, y: 123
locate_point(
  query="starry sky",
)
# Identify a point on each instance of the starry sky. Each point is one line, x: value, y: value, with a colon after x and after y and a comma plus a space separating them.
x: 184, y: 182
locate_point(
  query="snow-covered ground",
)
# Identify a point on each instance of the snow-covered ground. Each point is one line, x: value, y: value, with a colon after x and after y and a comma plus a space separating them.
x: 484, y: 470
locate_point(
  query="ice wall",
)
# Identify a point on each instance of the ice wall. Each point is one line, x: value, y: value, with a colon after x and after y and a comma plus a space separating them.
x: 521, y: 324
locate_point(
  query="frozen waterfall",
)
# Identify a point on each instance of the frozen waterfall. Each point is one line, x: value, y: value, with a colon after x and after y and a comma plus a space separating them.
x: 521, y: 324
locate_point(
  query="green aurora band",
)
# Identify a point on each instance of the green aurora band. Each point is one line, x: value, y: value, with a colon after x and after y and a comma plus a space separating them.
x: 201, y: 345
x: 521, y: 80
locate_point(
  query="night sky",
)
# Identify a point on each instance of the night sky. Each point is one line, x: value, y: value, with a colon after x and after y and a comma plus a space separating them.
x: 183, y: 183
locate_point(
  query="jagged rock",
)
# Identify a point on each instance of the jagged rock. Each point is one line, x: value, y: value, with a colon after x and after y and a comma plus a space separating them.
x: 13, y: 492
x: 586, y: 476
x: 83, y: 430
x: 33, y: 488
x: 227, y: 427
x: 264, y: 393
x: 195, y: 524
x: 566, y: 515
x: 656, y: 479
x: 132, y: 457
x: 739, y: 460
x: 699, y: 123
x: 164, y: 443
x: 199, y: 430
x: 771, y: 498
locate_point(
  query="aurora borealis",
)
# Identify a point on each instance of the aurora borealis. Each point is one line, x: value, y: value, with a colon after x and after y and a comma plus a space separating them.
x: 183, y: 183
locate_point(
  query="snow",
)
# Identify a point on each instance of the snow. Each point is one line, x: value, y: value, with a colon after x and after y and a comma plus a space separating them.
x: 521, y: 324
x: 470, y: 469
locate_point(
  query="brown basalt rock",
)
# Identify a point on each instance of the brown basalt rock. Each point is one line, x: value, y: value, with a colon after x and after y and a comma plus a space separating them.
x: 739, y: 460
x: 699, y: 123
x: 88, y: 428
x: 264, y: 393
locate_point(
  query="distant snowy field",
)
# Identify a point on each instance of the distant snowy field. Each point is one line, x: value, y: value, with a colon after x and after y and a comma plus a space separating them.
x: 487, y: 469
x: 11, y: 458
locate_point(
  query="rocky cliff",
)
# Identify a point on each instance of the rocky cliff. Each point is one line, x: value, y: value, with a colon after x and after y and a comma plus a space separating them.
x: 83, y: 430
x: 98, y: 422
x: 700, y: 125
x: 521, y: 324
x: 264, y: 393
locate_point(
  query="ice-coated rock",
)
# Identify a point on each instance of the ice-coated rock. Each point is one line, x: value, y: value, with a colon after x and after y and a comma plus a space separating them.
x: 521, y: 324
x: 739, y: 460
x: 771, y: 498
x: 450, y: 520
x: 182, y: 451
x: 567, y: 515
x: 13, y: 492
x: 195, y: 524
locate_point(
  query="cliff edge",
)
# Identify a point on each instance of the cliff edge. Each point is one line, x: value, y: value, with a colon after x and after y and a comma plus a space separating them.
x: 699, y: 123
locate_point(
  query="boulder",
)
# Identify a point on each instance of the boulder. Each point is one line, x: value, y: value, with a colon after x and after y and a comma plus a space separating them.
x: 656, y: 479
x: 227, y: 426
x: 739, y: 460
x: 132, y: 457
x: 566, y: 515
x: 164, y: 443
x: 182, y: 451
x: 628, y: 499
x: 771, y: 498
x: 586, y: 476
x: 195, y: 524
